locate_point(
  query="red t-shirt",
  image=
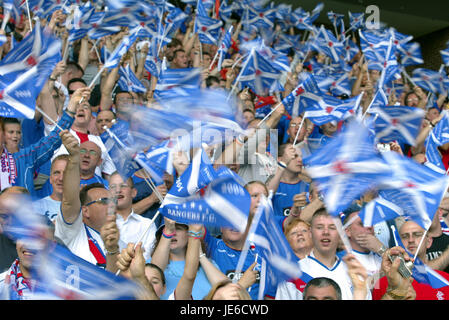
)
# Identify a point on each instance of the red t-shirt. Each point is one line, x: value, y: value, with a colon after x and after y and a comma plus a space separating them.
x: 423, y: 291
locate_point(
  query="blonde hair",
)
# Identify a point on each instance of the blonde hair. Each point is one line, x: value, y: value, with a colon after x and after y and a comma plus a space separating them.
x: 243, y: 294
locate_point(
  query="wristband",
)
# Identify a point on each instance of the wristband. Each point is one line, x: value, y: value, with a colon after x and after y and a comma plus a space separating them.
x: 168, y: 236
x: 394, y: 295
x: 112, y: 253
x: 202, y: 255
x: 52, y: 79
x: 195, y: 235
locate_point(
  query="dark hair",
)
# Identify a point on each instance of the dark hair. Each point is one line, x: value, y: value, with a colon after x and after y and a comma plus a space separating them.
x: 9, y: 121
x: 176, y: 52
x: 117, y: 91
x: 407, y: 95
x: 73, y: 81
x: 84, y: 197
x: 319, y: 212
x: 211, y: 79
x: 129, y: 181
x: 174, y: 42
x: 63, y: 157
x: 322, y: 282
x: 161, y: 272
x: 74, y: 66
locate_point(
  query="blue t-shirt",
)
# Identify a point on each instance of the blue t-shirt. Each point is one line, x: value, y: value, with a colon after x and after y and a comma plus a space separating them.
x: 227, y: 259
x: 283, y: 198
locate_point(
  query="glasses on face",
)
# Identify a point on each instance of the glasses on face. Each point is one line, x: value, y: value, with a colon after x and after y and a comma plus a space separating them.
x: 415, y: 235
x: 100, y: 201
x: 91, y: 152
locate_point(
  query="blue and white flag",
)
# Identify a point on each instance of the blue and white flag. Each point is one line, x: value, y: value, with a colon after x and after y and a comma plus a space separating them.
x: 335, y: 18
x: 128, y: 81
x: 25, y: 70
x: 445, y: 56
x: 173, y: 20
x: 374, y: 47
x: 437, y: 137
x: 261, y: 18
x: 429, y: 80
x: 152, y: 61
x: 177, y: 83
x: 208, y: 29
x: 416, y: 189
x: 161, y: 156
x: 267, y: 235
x: 397, y: 123
x: 356, y: 20
x: 390, y: 68
x: 346, y: 167
x: 224, y: 47
x: 316, y: 11
x: 258, y: 74
x: 293, y: 103
x: 123, y: 47
x: 120, y: 4
x: 301, y: 20
x: 351, y: 49
x: 340, y: 85
x: 223, y: 203
x: 324, y: 108
x: 411, y: 54
x: 60, y: 274
x: 329, y: 45
x: 121, y: 148
x: 79, y: 25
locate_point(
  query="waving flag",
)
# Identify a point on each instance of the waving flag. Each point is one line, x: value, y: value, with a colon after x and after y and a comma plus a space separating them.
x: 340, y: 85
x: 79, y: 26
x: 101, y: 27
x: 374, y: 47
x: 161, y: 157
x: 224, y: 47
x: 416, y: 189
x: 335, y: 18
x: 120, y: 4
x: 437, y: 137
x: 267, y: 235
x: 293, y: 103
x: 259, y: 17
x: 114, y: 59
x: 224, y: 203
x: 152, y: 61
x: 173, y: 20
x: 258, y: 73
x: 177, y: 82
x: 351, y: 49
x: 278, y: 60
x: 316, y: 12
x: 390, y: 68
x: 60, y: 274
x: 208, y: 29
x: 301, y: 21
x: 428, y: 79
x: 329, y: 45
x: 25, y: 70
x: 346, y: 167
x: 400, y: 123
x: 399, y: 39
x: 128, y: 81
x: 323, y: 109
x: 121, y: 148
x: 355, y: 20
x: 411, y: 54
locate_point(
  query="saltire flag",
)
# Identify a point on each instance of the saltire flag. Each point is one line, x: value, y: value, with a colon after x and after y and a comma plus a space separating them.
x: 223, y: 203
x: 176, y: 83
x: 278, y: 60
x: 410, y: 54
x: 79, y: 26
x: 208, y: 29
x: 356, y: 20
x: 258, y: 73
x: 224, y: 47
x: 397, y: 123
x: 445, y: 56
x: 429, y: 80
x: 121, y: 148
x: 161, y: 156
x: 421, y: 272
x: 301, y: 21
x: 261, y: 18
x: 340, y: 85
x: 120, y: 4
x: 415, y: 188
x: 390, y: 68
x: 173, y: 20
x: 323, y: 81
x: 100, y: 27
x: 152, y: 61
x: 273, y: 246
x: 123, y: 47
x: 325, y: 108
x: 316, y: 12
x: 329, y: 45
x: 283, y: 42
x: 335, y: 18
x: 48, y: 8
x: 60, y: 274
x: 374, y: 47
x: 293, y: 103
x: 351, y: 49
x: 226, y: 10
x: 128, y: 81
x: 379, y: 100
x: 437, y: 137
x: 399, y: 39
x: 25, y: 70
x: 346, y: 167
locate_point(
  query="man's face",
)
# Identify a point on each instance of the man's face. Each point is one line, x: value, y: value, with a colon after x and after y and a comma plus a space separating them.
x: 317, y: 293
x: 411, y: 234
x: 83, y: 115
x: 25, y: 255
x: 104, y: 118
x: 12, y: 136
x: 248, y: 116
x: 329, y: 128
x: 325, y: 236
x: 295, y: 165
x: 180, y: 60
x: 57, y: 174
x: 95, y: 214
x: 356, y: 228
x: 122, y: 102
x: 293, y: 128
x: 90, y: 156
x: 412, y: 100
x: 124, y: 192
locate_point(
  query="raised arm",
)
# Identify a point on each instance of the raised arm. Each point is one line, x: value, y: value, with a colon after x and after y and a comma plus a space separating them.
x: 110, y: 235
x: 161, y: 254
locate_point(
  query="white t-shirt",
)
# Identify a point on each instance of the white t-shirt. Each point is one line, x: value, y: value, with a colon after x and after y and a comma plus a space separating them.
x: 74, y: 236
x: 48, y: 207
x: 314, y: 268
x: 132, y: 229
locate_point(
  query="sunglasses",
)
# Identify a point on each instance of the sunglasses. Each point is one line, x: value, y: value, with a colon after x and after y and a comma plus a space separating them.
x: 100, y: 201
